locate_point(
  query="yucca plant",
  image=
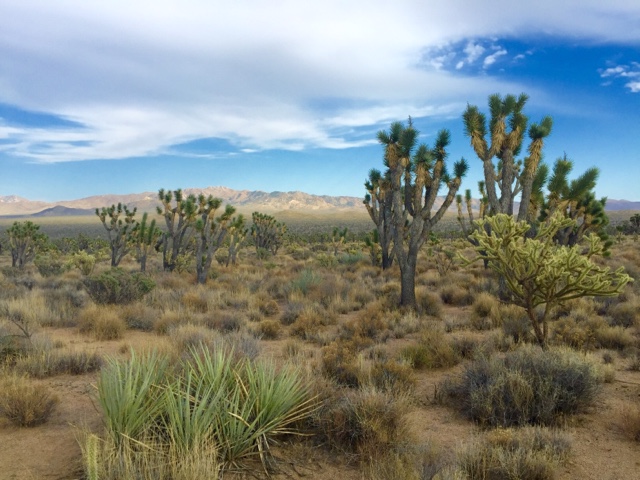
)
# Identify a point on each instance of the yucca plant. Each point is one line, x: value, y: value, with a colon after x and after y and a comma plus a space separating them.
x: 129, y: 394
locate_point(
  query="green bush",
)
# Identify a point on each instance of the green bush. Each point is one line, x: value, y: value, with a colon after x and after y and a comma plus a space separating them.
x: 50, y: 265
x: 116, y: 286
x: 528, y: 386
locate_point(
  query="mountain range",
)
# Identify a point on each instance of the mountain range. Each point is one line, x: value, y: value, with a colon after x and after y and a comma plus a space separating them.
x: 245, y: 201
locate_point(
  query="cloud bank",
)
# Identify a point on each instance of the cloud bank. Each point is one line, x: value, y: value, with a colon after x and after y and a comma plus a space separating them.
x: 140, y: 77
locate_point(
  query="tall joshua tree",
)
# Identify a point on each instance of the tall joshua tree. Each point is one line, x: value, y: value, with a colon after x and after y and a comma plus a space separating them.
x: 179, y: 220
x: 24, y: 242
x: 118, y: 229
x: 415, y: 177
x: 378, y: 202
x: 211, y: 233
x: 506, y: 131
x: 237, y: 233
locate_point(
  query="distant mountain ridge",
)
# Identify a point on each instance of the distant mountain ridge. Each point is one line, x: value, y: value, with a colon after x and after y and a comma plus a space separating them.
x: 245, y: 201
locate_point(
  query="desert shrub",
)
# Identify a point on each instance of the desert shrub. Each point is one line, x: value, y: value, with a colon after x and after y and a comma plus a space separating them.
x: 515, y: 323
x: 269, y: 308
x: 196, y: 300
x: 429, y: 303
x: 366, y: 422
x: 625, y: 314
x: 50, y: 265
x: 117, y: 286
x: 388, y: 375
x: 47, y: 363
x: 25, y: 403
x: 617, y: 338
x: 187, y: 336
x: 305, y: 281
x: 531, y: 453
x: 170, y: 319
x: 339, y: 363
x: 102, y: 322
x: 528, y: 386
x: 453, y: 294
x: 138, y: 316
x: 225, y: 321
x: 291, y: 312
x: 580, y: 336
x: 269, y: 329
x: 485, y: 312
x: 433, y: 350
x: 63, y: 304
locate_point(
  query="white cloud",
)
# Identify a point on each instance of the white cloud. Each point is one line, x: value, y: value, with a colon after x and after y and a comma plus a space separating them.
x: 623, y: 71
x: 491, y: 59
x: 143, y: 76
x: 633, y: 86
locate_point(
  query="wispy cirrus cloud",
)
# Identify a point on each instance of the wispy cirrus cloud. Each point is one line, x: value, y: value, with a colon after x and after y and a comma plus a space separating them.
x: 630, y: 72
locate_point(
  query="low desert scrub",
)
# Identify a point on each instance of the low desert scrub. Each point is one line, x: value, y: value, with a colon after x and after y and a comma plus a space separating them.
x: 23, y: 402
x: 626, y: 314
x: 208, y: 399
x: 515, y: 324
x: 453, y: 294
x: 139, y: 316
x: 530, y: 453
x: 429, y: 303
x: 63, y: 303
x: 25, y: 313
x: 268, y: 329
x: 102, y: 322
x: 225, y: 321
x: 48, y: 363
x: 485, y: 312
x: 527, y: 386
x: 103, y: 460
x: 368, y: 422
x: 196, y: 300
x: 433, y: 350
x: 118, y: 287
x: 187, y: 336
x: 339, y: 363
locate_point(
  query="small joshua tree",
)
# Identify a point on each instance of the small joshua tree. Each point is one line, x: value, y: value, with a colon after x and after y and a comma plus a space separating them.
x: 540, y: 273
x: 338, y: 238
x: 211, y: 233
x: 24, y: 242
x: 237, y: 233
x: 179, y: 219
x: 118, y: 229
x: 144, y: 237
x: 378, y: 201
x: 267, y: 233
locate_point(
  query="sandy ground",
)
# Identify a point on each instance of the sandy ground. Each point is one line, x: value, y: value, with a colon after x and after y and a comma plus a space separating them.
x: 51, y: 451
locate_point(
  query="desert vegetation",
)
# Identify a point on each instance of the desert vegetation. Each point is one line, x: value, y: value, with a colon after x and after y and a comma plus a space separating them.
x: 192, y: 343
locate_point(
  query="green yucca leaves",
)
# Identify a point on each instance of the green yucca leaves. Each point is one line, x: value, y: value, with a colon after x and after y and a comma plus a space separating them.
x: 208, y: 398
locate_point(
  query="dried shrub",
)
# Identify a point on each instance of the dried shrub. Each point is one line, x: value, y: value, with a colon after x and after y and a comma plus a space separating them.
x: 433, y: 350
x: 101, y: 322
x: 530, y: 453
x: 24, y: 403
x: 339, y: 363
x: 628, y: 420
x: 625, y: 314
x: 528, y: 386
x: 117, y: 286
x: 485, y: 312
x: 269, y: 329
x: 48, y: 363
x: 456, y: 295
x: 429, y: 303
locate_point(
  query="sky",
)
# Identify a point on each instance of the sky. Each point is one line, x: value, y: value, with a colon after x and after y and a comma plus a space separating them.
x: 115, y: 96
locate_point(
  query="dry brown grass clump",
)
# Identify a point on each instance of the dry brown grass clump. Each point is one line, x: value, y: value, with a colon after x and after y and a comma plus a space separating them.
x: 628, y: 420
x: 103, y: 322
x: 23, y: 402
x: 485, y: 312
x: 433, y: 350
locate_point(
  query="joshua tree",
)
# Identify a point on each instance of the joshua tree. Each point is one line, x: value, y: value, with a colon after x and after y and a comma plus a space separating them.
x: 415, y: 176
x: 211, y: 233
x: 540, y: 273
x: 117, y: 229
x: 267, y: 233
x: 507, y: 128
x: 378, y: 202
x: 179, y: 220
x: 145, y: 236
x: 24, y: 242
x: 237, y: 233
x: 372, y: 241
x: 576, y: 200
x: 338, y: 238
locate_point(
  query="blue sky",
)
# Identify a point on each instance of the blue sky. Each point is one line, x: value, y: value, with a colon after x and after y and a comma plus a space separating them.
x: 123, y: 97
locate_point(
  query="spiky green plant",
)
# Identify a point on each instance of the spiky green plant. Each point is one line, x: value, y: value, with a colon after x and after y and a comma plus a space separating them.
x: 118, y: 229
x: 144, y: 237
x: 211, y: 232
